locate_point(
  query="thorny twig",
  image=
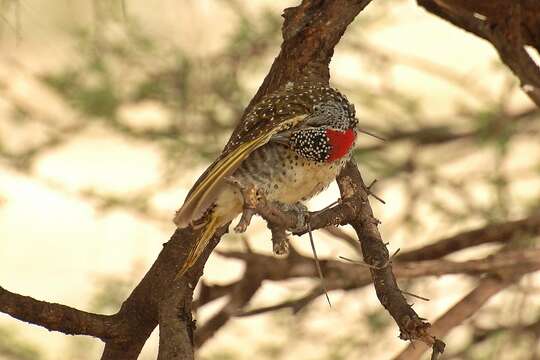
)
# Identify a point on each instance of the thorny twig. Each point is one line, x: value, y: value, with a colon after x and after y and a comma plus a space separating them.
x: 354, y: 209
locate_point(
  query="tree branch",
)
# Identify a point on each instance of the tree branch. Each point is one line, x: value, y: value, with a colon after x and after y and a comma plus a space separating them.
x: 240, y: 296
x: 176, y: 326
x: 56, y: 317
x: 140, y: 313
x: 494, y: 233
x: 508, y: 26
x: 349, y: 276
x: 411, y: 326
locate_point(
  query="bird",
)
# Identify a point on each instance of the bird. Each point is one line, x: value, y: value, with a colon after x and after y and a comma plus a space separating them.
x: 291, y: 145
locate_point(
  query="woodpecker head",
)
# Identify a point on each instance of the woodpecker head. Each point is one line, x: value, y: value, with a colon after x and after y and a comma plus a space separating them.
x: 330, y: 131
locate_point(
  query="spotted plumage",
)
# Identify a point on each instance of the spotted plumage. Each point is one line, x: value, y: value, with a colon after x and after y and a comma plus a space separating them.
x: 290, y: 146
x: 312, y: 144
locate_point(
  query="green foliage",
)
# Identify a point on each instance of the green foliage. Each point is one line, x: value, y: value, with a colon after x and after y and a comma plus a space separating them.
x: 378, y: 321
x: 14, y: 348
x: 111, y: 291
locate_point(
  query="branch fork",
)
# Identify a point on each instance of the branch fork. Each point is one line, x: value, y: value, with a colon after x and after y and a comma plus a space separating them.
x: 294, y: 218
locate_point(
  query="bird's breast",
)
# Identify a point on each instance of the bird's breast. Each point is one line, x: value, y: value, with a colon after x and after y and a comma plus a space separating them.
x: 285, y: 176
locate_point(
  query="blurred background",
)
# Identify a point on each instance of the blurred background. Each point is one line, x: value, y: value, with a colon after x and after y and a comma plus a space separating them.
x: 109, y: 110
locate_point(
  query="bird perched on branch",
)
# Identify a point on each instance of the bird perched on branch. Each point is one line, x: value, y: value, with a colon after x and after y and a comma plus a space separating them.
x: 290, y: 147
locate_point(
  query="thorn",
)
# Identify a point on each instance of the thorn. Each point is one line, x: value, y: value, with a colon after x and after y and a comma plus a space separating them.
x: 415, y: 296
x: 317, y: 212
x: 328, y: 206
x: 317, y: 264
x: 359, y: 262
x: 368, y: 190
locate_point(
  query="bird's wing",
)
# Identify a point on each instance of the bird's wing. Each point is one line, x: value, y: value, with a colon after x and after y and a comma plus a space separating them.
x: 205, y: 190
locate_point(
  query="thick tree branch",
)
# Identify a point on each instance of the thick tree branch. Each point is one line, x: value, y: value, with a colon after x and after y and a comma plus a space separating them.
x: 310, y: 31
x: 508, y: 25
x: 176, y: 326
x: 56, y: 317
x: 140, y: 313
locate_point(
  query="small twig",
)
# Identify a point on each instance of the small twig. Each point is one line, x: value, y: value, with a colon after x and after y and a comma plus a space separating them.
x: 294, y: 305
x: 327, y: 206
x: 438, y: 349
x: 318, y: 264
x: 375, y: 267
x: 368, y: 190
x: 414, y: 295
x: 358, y: 262
x: 456, y: 315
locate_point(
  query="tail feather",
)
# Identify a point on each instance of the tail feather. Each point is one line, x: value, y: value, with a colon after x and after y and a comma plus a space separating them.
x: 200, y: 244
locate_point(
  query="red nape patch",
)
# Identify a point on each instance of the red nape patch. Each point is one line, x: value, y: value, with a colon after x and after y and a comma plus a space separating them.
x: 341, y: 142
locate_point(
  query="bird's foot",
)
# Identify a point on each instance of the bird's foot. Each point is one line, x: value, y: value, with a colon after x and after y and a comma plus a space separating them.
x: 245, y: 220
x: 302, y: 216
x: 280, y: 240
x: 251, y: 198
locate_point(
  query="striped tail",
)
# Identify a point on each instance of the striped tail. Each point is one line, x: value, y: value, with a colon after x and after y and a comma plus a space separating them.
x: 200, y: 244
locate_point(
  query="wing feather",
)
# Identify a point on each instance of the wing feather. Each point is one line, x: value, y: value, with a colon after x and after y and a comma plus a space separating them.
x: 207, y: 187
